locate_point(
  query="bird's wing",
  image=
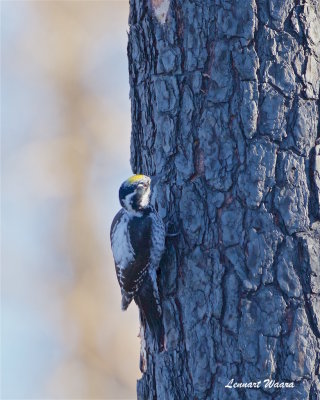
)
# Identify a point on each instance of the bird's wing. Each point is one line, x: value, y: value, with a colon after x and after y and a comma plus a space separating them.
x: 140, y: 239
x: 131, y: 252
x: 148, y: 297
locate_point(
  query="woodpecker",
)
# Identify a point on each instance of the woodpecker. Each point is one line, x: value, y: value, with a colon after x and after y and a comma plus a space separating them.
x: 138, y: 241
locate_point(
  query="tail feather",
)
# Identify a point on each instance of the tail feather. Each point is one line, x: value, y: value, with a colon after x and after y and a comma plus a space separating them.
x: 151, y: 310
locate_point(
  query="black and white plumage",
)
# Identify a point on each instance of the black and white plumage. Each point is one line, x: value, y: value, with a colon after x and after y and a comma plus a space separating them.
x: 138, y: 242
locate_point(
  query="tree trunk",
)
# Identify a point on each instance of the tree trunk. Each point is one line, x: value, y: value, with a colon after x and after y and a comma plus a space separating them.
x: 225, y: 111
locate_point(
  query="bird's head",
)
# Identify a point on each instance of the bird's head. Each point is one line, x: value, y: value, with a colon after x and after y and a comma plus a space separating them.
x: 134, y: 193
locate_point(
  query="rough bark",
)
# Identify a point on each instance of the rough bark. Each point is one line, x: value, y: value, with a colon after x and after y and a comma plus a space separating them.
x: 225, y: 110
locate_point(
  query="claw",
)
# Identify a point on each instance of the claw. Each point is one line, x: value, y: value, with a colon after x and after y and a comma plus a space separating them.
x: 172, y: 234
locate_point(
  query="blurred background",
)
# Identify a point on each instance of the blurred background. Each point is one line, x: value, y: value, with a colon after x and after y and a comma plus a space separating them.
x: 65, y: 124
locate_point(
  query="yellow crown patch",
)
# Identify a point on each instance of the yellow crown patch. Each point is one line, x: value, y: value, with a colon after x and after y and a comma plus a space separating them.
x: 134, y: 178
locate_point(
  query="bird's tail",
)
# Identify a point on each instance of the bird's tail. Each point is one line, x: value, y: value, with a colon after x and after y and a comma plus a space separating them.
x: 149, y: 305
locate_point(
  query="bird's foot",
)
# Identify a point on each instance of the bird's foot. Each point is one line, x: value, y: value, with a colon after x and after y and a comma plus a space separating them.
x: 169, y: 232
x: 172, y: 234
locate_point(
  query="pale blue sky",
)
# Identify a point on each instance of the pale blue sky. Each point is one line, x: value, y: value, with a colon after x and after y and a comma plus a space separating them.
x: 38, y: 196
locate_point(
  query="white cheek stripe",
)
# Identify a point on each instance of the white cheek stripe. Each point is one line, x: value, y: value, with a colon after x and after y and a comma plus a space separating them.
x: 127, y: 201
x: 143, y: 203
x: 145, y: 198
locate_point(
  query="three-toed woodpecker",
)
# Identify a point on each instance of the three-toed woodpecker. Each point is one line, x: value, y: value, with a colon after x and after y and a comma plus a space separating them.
x: 138, y: 241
